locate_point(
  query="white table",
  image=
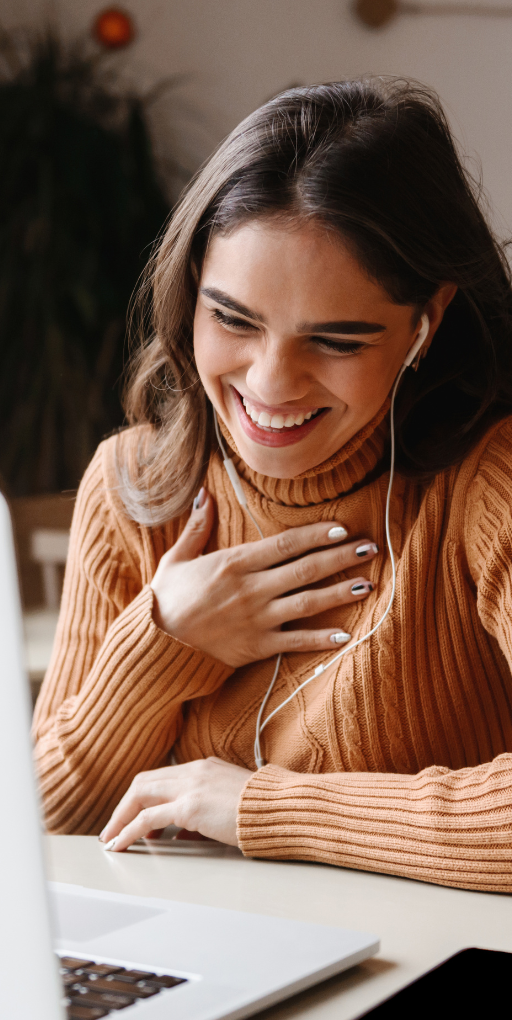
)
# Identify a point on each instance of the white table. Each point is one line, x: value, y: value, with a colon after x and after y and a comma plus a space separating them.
x: 418, y: 924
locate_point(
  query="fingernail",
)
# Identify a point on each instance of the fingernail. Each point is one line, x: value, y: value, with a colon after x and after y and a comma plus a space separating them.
x: 365, y: 550
x: 199, y: 500
x: 340, y: 638
x: 335, y: 534
x: 111, y: 845
x: 361, y: 586
x: 102, y: 833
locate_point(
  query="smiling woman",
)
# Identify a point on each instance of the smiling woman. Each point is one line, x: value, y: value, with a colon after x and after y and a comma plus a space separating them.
x: 333, y: 241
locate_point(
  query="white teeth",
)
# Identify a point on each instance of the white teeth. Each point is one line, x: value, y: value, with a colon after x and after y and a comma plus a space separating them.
x: 275, y: 421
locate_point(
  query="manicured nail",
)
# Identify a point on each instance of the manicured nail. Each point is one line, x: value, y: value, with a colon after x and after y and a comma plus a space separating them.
x: 365, y: 550
x: 111, y: 845
x: 340, y: 638
x: 103, y: 831
x: 199, y: 500
x: 337, y: 534
x: 361, y: 586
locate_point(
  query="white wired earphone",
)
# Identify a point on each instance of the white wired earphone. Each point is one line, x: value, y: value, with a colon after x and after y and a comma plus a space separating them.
x: 240, y: 495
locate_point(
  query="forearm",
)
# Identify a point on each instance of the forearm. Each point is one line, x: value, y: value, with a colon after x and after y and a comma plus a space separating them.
x: 452, y: 828
x: 123, y: 720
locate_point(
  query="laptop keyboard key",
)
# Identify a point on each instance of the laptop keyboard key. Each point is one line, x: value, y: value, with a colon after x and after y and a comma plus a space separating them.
x: 122, y: 987
x: 71, y: 963
x: 93, y: 999
x: 165, y: 980
x: 85, y: 1012
x: 134, y: 975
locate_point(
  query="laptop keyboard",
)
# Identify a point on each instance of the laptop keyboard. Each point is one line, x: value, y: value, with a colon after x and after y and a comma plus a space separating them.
x: 94, y: 990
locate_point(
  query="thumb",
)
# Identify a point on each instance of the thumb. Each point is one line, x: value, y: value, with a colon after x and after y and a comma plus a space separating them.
x: 197, y: 530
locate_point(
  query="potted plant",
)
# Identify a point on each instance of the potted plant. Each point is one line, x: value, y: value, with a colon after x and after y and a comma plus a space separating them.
x: 81, y: 202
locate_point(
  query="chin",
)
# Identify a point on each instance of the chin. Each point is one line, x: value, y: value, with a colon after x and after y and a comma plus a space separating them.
x: 277, y: 463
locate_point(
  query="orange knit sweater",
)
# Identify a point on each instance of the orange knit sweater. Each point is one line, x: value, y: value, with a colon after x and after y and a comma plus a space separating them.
x: 398, y: 759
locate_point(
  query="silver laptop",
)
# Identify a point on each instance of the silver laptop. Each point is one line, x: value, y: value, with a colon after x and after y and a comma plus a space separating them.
x: 82, y: 953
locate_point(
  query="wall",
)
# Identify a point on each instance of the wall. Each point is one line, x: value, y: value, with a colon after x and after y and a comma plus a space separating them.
x: 237, y: 53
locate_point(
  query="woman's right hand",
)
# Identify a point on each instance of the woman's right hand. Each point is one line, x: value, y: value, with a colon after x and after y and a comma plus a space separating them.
x: 233, y: 603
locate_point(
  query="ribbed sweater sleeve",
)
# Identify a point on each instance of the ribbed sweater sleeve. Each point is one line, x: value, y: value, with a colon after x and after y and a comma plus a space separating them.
x: 453, y: 827
x: 110, y: 705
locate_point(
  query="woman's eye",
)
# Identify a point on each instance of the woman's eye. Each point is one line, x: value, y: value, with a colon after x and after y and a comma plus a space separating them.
x: 230, y: 322
x: 339, y: 346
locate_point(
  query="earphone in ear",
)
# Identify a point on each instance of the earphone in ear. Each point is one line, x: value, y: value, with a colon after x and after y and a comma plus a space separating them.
x: 409, y: 360
x: 418, y: 343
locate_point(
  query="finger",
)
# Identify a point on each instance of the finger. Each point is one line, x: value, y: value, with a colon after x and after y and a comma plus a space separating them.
x: 317, y: 566
x: 145, y: 822
x: 309, y: 603
x: 307, y: 641
x: 142, y: 794
x: 196, y: 532
x: 291, y: 543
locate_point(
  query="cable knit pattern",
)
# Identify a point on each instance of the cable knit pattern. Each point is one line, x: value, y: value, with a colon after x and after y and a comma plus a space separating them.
x: 399, y: 759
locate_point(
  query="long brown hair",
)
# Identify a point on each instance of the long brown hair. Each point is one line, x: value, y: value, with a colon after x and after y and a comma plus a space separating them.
x: 373, y: 160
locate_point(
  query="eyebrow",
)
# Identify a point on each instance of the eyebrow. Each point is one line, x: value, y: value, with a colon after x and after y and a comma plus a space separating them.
x: 355, y: 327
x: 236, y: 306
x: 351, y: 327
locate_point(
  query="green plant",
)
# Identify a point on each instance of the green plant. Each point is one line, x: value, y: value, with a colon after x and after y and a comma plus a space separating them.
x: 80, y: 205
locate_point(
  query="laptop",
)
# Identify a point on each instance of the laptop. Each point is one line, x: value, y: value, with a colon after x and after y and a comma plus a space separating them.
x: 68, y: 951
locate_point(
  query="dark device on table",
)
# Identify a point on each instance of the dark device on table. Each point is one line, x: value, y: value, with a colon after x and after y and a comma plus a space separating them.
x: 475, y: 983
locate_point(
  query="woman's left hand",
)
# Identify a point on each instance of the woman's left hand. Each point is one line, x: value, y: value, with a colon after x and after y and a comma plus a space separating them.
x: 201, y: 796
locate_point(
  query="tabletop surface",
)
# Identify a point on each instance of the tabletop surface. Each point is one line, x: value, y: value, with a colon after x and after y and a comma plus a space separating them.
x: 418, y: 924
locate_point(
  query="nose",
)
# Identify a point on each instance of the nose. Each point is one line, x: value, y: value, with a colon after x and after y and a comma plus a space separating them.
x: 277, y: 374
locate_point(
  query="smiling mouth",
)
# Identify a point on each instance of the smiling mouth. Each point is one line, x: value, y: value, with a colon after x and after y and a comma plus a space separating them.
x: 278, y: 423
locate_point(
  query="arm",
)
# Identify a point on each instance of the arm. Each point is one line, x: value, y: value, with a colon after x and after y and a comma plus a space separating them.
x: 111, y: 701
x: 452, y: 828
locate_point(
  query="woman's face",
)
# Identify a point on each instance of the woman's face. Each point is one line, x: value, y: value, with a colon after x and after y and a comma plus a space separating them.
x: 296, y: 347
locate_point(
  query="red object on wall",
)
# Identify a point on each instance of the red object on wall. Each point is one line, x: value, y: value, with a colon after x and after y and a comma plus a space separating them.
x: 114, y: 28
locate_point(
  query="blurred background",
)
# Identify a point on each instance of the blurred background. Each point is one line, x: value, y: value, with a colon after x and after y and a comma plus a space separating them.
x: 105, y: 112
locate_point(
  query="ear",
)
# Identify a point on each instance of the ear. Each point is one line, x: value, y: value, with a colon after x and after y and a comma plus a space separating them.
x: 436, y: 308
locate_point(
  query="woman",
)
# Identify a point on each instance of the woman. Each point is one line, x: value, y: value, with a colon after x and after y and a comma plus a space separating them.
x: 331, y: 232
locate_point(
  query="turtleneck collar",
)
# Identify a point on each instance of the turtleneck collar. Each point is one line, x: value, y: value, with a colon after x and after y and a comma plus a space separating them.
x: 332, y: 478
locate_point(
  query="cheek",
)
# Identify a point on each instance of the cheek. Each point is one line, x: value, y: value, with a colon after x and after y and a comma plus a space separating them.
x: 216, y: 355
x: 207, y: 350
x: 356, y: 382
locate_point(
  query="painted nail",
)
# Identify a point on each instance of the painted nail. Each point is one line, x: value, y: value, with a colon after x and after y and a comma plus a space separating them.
x: 111, y: 845
x: 337, y: 534
x: 365, y: 550
x: 102, y: 833
x: 340, y: 638
x: 199, y: 500
x: 361, y: 586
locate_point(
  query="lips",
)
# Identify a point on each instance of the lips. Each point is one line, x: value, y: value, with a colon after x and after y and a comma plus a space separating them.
x: 265, y: 428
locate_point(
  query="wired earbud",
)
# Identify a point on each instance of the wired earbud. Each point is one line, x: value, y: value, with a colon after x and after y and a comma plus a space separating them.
x: 414, y: 351
x: 413, y: 355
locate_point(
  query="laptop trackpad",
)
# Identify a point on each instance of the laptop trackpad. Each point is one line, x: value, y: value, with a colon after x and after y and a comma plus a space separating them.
x: 80, y: 918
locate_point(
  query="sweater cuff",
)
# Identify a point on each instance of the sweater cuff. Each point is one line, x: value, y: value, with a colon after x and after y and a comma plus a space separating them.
x: 271, y: 804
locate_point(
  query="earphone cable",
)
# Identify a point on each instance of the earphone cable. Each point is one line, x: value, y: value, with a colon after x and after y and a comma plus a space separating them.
x: 350, y: 648
x: 233, y: 477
